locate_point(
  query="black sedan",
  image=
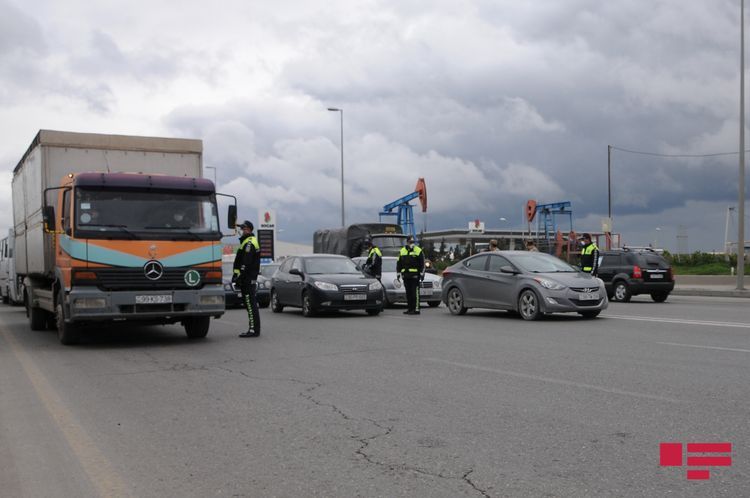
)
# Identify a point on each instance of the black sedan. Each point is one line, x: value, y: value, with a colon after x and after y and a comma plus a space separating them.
x: 531, y: 283
x: 324, y: 282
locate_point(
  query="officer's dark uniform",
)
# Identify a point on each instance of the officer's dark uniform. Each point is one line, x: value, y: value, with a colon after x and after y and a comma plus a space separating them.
x: 246, y: 269
x: 590, y: 257
x: 374, y: 263
x: 410, y: 266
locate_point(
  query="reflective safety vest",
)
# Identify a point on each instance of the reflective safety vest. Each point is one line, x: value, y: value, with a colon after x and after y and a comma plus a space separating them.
x: 587, y: 257
x: 375, y: 251
x: 252, y: 240
x: 410, y: 260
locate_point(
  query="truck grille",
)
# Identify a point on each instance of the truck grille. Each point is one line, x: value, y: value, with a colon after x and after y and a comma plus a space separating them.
x: 112, y: 279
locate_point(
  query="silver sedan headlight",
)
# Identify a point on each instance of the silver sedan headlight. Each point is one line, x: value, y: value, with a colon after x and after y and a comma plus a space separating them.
x: 375, y: 286
x: 397, y: 283
x: 550, y: 284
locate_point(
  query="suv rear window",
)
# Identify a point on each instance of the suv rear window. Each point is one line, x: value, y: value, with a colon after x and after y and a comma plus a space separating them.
x: 655, y: 261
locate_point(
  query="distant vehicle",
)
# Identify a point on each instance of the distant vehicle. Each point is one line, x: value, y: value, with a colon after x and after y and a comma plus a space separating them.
x: 324, y: 282
x: 10, y: 285
x: 349, y: 241
x: 530, y: 283
x: 429, y: 290
x: 116, y: 228
x: 232, y: 294
x: 629, y: 272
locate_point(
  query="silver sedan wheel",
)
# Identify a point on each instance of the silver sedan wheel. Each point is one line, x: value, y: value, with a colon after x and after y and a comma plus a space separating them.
x: 528, y: 305
x: 456, y: 302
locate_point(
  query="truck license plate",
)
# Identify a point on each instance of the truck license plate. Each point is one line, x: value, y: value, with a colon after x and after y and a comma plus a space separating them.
x: 589, y: 296
x: 355, y: 297
x: 151, y: 299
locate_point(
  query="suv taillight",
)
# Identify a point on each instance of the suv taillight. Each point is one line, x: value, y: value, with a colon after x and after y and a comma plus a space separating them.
x: 670, y: 274
x: 637, y: 272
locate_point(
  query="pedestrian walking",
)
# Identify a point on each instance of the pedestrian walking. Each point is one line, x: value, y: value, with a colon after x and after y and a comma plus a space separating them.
x: 589, y: 255
x: 493, y: 246
x: 246, y: 269
x: 410, y: 267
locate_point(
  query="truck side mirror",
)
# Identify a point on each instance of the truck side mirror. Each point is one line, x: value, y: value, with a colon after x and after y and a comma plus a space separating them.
x: 232, y: 216
x: 48, y: 216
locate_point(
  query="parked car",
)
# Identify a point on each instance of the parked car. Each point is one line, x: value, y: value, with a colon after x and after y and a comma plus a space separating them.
x: 531, y: 283
x: 429, y: 290
x: 324, y: 282
x: 232, y: 294
x: 627, y: 273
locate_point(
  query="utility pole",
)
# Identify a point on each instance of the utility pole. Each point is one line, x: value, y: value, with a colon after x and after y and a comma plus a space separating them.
x: 741, y: 203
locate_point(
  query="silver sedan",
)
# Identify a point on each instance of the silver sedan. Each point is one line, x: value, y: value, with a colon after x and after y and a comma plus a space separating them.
x: 429, y: 289
x: 530, y: 283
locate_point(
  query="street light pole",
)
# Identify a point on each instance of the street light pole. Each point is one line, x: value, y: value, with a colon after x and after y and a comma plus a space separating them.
x: 741, y: 204
x: 341, y: 111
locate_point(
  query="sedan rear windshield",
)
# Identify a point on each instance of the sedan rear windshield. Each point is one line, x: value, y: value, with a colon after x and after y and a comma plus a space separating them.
x: 330, y: 265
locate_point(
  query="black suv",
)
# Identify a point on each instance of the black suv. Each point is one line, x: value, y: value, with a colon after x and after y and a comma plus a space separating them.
x: 629, y: 272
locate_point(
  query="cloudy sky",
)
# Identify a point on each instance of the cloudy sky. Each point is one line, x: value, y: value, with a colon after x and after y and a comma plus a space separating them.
x: 493, y: 102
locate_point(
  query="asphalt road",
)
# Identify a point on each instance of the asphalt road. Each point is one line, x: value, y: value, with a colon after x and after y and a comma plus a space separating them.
x: 350, y: 405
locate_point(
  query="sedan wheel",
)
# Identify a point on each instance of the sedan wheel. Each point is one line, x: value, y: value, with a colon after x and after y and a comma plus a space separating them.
x: 528, y: 305
x: 276, y: 306
x: 456, y: 302
x: 307, y: 308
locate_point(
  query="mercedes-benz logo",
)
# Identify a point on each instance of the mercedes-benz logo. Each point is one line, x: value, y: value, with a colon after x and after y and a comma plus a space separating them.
x: 153, y: 270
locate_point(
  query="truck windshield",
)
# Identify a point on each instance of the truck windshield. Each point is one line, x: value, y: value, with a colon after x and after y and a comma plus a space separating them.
x: 148, y: 214
x: 389, y: 241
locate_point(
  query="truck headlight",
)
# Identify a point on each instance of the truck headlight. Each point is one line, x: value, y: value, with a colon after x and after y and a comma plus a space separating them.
x: 375, y: 286
x: 82, y: 303
x: 326, y: 286
x: 212, y: 300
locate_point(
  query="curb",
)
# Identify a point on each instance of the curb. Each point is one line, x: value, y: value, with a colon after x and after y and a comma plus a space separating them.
x: 711, y: 293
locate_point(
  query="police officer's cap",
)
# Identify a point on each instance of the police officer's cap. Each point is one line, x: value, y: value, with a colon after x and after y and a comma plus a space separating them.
x: 586, y: 236
x: 409, y: 239
x: 368, y: 242
x: 247, y: 224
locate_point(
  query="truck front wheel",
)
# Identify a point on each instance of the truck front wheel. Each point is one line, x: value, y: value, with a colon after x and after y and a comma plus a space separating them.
x: 196, y: 327
x: 37, y: 316
x: 67, y: 333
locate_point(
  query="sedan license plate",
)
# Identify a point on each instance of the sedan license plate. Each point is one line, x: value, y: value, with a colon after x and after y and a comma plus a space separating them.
x: 589, y: 296
x: 355, y: 297
x: 425, y: 292
x: 159, y: 299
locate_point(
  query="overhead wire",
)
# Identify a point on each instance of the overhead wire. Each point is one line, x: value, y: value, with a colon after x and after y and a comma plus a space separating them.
x: 656, y: 154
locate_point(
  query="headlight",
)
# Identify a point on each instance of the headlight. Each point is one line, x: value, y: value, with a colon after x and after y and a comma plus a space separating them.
x: 397, y: 283
x: 436, y: 284
x: 549, y: 284
x: 228, y: 287
x: 216, y: 300
x: 375, y: 285
x: 326, y: 286
x: 89, y: 302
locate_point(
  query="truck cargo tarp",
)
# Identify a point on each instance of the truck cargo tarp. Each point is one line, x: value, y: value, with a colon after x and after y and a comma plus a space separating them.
x: 348, y: 241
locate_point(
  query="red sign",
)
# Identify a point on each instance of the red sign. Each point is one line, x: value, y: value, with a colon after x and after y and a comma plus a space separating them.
x: 671, y: 455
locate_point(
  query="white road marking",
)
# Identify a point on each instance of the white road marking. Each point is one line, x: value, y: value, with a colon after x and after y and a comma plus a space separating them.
x: 704, y: 347
x: 680, y: 321
x: 556, y: 381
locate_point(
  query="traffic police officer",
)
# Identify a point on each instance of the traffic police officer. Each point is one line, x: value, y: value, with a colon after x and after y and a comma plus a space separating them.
x: 246, y: 269
x: 374, y: 263
x: 589, y: 255
x: 410, y: 267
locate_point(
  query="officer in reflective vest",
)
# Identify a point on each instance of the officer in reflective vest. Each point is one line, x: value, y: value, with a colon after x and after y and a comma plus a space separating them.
x: 410, y: 267
x: 246, y: 269
x: 374, y: 264
x: 589, y: 255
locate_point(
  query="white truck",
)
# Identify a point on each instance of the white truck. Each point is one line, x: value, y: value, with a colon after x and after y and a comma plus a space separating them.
x: 116, y: 228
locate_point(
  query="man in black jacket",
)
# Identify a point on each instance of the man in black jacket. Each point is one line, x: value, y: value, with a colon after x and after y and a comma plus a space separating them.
x: 246, y: 269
